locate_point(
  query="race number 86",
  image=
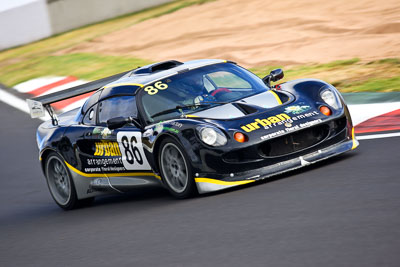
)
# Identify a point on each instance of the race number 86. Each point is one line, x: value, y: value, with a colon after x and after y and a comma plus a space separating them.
x: 131, y: 147
x: 132, y: 153
x: 152, y: 90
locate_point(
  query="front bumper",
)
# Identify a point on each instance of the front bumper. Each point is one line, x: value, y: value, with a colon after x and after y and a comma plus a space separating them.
x: 206, y: 185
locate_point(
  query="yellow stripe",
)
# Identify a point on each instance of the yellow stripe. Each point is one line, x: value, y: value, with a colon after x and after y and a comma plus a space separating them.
x: 213, y: 181
x: 82, y: 173
x: 354, y: 139
x: 125, y: 174
x: 191, y: 116
x: 276, y: 97
x: 121, y: 84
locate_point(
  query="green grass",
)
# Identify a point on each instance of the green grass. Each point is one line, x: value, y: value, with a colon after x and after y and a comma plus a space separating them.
x: 351, y: 75
x: 375, y: 85
x: 83, y: 65
x: 348, y: 76
x: 42, y: 58
x: 50, y: 46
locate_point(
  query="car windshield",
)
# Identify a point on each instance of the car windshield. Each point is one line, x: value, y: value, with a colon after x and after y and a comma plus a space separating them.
x: 198, y: 89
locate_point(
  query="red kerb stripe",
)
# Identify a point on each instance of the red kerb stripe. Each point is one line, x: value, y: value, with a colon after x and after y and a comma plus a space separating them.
x: 386, y: 122
x: 45, y: 88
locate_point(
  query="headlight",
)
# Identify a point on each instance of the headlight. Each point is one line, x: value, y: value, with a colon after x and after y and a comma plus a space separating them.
x: 212, y: 136
x: 331, y: 99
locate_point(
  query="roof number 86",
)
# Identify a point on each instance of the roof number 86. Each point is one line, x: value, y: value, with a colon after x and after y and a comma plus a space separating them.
x: 152, y: 90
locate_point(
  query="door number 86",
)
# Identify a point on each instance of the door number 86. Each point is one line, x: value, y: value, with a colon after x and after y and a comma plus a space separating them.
x: 132, y: 153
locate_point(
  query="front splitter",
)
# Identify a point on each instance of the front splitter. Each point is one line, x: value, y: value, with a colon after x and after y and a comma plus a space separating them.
x: 206, y: 185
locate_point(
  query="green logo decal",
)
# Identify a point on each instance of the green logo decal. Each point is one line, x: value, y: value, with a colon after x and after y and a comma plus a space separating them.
x: 297, y: 109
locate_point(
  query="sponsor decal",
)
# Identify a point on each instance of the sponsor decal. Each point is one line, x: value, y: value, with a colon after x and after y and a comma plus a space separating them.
x: 310, y: 123
x: 305, y: 115
x: 266, y: 123
x: 303, y: 125
x: 104, y: 164
x: 97, y: 130
x: 105, y: 169
x: 106, y: 132
x: 290, y: 127
x: 107, y: 149
x: 159, y: 127
x: 121, y: 156
x: 297, y: 109
x: 176, y: 124
x: 171, y: 129
x: 36, y: 108
x: 271, y: 135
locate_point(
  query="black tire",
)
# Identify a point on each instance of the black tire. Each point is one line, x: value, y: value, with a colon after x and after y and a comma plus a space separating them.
x: 176, y: 169
x: 61, y: 185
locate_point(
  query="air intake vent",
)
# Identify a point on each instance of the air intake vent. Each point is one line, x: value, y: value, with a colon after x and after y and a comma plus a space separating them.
x: 166, y: 65
x: 294, y: 142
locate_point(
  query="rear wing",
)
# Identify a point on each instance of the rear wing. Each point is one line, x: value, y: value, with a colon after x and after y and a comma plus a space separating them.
x: 38, y: 105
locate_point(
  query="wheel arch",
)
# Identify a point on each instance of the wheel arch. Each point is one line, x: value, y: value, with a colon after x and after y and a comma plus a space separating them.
x: 157, y: 146
x: 43, y: 157
x: 190, y: 189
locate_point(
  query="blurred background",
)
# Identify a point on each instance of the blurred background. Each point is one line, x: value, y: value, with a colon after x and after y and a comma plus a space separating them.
x: 355, y: 45
x: 340, y: 212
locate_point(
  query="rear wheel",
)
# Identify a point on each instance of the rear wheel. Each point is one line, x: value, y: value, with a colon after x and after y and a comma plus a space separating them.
x: 176, y: 170
x: 61, y: 185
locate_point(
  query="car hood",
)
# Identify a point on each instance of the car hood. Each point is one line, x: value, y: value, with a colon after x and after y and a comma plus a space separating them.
x: 266, y: 100
x: 270, y: 118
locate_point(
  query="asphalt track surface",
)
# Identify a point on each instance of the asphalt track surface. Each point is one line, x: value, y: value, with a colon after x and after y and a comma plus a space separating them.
x: 342, y: 212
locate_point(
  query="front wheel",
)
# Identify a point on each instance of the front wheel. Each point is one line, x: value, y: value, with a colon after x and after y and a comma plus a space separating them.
x: 176, y: 170
x: 61, y: 185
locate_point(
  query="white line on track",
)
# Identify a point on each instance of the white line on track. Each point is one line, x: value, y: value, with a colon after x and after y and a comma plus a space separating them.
x: 16, y: 102
x: 376, y: 136
x: 33, y: 84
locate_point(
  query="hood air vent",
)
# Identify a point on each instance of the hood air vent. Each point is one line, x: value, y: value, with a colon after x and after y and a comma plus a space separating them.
x: 166, y: 65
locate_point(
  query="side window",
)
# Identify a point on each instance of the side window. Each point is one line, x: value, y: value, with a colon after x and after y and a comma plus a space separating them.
x: 91, y: 101
x: 119, y: 106
x: 90, y: 116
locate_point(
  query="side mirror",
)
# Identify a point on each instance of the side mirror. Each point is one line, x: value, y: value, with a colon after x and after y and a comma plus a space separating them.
x: 273, y: 76
x: 119, y: 122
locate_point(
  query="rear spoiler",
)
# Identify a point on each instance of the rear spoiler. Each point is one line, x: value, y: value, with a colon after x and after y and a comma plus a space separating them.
x: 38, y: 105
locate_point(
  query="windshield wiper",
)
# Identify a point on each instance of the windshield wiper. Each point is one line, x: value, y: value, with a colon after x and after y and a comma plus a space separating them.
x: 214, y: 102
x: 179, y: 107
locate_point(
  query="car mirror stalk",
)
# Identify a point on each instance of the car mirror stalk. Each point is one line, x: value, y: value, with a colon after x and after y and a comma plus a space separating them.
x: 273, y: 76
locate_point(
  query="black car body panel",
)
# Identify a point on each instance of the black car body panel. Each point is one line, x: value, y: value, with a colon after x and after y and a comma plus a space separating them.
x: 284, y: 127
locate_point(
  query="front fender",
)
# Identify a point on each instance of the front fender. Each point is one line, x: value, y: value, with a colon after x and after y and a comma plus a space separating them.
x: 183, y: 131
x: 309, y: 89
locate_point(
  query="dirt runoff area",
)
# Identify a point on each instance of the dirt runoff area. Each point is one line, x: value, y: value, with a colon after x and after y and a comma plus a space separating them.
x: 262, y: 32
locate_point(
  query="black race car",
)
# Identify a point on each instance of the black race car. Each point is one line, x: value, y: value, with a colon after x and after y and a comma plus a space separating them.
x: 194, y: 127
